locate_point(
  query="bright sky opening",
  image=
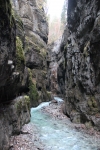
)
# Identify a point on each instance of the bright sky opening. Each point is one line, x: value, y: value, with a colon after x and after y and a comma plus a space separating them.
x: 55, y: 8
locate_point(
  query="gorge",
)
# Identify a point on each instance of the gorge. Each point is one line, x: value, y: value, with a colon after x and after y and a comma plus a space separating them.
x: 32, y: 72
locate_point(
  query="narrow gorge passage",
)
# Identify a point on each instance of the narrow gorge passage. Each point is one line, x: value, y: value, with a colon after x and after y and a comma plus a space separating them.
x: 49, y: 88
x: 52, y: 133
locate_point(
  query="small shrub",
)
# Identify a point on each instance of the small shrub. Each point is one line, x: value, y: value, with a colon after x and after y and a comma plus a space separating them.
x: 27, y: 101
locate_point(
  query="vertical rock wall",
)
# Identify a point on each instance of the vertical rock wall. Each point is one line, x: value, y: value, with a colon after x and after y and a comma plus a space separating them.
x: 13, y: 113
x: 7, y: 49
x: 53, y: 50
x: 61, y: 70
x: 82, y: 62
x: 12, y: 61
x: 56, y: 65
x: 35, y: 38
x: 13, y: 116
x: 23, y: 38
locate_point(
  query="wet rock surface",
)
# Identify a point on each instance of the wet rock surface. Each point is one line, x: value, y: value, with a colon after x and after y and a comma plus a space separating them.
x: 82, y: 61
x: 23, y: 38
x: 56, y: 72
x: 12, y: 124
x: 35, y: 37
x: 56, y: 64
x: 7, y: 50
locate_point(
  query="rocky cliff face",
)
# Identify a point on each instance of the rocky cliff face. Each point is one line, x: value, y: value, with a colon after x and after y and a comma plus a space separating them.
x: 13, y: 114
x: 23, y: 38
x: 7, y: 50
x: 61, y: 70
x: 56, y: 65
x: 12, y: 117
x: 35, y: 38
x: 53, y: 50
x: 12, y: 61
x: 82, y: 62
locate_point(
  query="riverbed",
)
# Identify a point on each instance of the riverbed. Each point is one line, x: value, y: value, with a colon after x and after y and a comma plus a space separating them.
x: 50, y: 129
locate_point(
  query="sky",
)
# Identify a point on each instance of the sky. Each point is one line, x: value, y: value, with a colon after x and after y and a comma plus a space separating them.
x: 55, y: 8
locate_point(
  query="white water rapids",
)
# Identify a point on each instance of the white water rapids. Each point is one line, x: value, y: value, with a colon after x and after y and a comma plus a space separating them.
x: 56, y: 135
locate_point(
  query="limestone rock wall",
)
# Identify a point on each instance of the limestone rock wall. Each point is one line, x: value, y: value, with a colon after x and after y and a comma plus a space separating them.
x: 52, y: 67
x: 13, y: 73
x: 35, y: 37
x: 23, y: 38
x: 56, y: 66
x: 82, y: 62
x: 61, y: 59
x: 7, y: 49
x: 13, y: 116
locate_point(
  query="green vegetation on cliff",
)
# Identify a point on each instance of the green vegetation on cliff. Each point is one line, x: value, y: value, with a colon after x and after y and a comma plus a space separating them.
x: 34, y: 42
x: 33, y: 93
x: 20, y: 60
x: 6, y: 12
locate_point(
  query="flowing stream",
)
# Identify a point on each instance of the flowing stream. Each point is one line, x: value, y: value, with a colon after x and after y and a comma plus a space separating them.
x: 56, y: 135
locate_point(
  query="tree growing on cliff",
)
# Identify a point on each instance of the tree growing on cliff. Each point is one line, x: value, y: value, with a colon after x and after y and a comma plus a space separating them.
x: 64, y: 14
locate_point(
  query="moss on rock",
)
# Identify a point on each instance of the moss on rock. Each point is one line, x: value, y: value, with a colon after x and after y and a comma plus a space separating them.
x: 19, y: 107
x: 27, y: 99
x: 49, y: 95
x: 33, y: 93
x: 88, y: 125
x: 20, y: 59
x: 22, y: 103
x: 34, y: 42
x: 92, y: 103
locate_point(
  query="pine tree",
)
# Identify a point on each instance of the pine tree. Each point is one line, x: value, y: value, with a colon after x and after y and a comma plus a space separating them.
x: 64, y: 13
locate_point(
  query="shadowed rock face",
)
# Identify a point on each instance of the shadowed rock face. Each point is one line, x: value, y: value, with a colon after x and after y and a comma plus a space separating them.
x: 12, y: 117
x: 23, y: 38
x: 12, y: 64
x: 56, y: 67
x: 52, y: 66
x: 61, y: 70
x: 13, y: 78
x: 82, y: 62
x: 7, y: 48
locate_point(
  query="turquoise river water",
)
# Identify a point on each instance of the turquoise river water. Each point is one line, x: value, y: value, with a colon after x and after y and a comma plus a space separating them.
x: 56, y: 135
